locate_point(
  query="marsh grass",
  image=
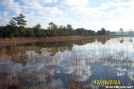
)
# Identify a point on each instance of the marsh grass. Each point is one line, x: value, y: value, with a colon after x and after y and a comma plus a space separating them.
x: 22, y: 41
x: 35, y: 77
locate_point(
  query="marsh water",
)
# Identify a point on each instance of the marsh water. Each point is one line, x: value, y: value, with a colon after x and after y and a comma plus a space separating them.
x: 60, y: 65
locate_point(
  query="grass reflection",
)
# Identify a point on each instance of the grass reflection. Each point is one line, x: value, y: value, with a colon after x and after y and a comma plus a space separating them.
x: 71, y: 64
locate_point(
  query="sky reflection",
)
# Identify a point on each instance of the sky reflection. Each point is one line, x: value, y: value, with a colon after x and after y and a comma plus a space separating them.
x: 84, y: 63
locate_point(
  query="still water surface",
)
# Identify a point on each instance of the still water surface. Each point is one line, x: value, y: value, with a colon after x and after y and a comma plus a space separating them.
x: 61, y: 64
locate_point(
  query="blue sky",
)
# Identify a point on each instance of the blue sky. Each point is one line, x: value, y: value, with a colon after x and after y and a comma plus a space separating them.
x: 89, y: 14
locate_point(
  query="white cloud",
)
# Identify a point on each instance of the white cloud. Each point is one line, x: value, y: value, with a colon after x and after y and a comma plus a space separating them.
x: 4, y: 18
x: 32, y: 5
x: 11, y: 6
x: 111, y: 15
x: 24, y: 1
x: 55, y: 0
x: 53, y: 11
x: 74, y: 4
x: 44, y: 16
x: 34, y: 2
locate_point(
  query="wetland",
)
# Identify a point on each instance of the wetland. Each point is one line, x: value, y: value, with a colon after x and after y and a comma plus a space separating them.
x: 73, y: 64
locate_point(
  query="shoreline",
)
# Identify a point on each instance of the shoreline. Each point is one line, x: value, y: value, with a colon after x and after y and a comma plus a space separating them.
x: 26, y: 40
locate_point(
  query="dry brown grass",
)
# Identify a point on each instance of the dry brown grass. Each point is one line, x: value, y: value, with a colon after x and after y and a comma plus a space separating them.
x: 22, y: 58
x: 21, y: 41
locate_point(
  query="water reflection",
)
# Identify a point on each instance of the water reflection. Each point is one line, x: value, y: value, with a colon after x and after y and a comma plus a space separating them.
x: 50, y: 65
x: 121, y: 40
x: 130, y: 39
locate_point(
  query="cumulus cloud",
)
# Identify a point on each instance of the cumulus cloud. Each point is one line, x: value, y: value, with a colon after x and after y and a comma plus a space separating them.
x: 74, y: 4
x: 35, y: 5
x: 4, y: 18
x: 43, y: 16
x: 11, y: 6
x: 75, y: 12
x: 107, y: 13
x: 39, y: 1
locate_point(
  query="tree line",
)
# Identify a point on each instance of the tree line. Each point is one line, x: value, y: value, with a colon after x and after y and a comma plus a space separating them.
x: 16, y: 28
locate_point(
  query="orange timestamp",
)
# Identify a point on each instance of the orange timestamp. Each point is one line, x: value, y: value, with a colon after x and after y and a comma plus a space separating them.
x: 106, y: 82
